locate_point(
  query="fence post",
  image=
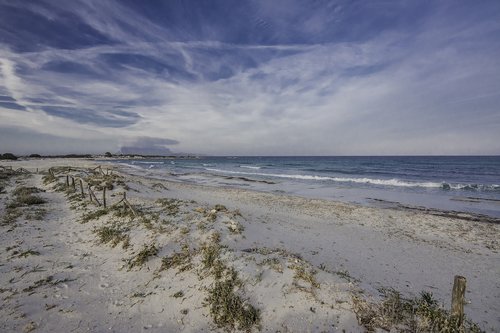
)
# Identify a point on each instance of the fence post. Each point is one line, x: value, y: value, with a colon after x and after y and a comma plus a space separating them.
x: 73, y: 184
x: 67, y: 180
x: 90, y: 193
x: 457, y: 298
x: 81, y: 188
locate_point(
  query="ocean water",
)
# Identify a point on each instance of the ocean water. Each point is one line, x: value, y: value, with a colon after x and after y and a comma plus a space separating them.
x: 458, y: 183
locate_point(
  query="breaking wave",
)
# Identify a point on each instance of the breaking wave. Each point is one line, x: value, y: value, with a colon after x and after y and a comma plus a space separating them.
x: 250, y: 167
x: 372, y: 181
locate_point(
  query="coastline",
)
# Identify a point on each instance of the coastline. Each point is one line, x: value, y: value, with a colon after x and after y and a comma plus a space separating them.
x: 354, y: 249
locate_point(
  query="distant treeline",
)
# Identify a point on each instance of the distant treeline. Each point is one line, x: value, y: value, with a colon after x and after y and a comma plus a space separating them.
x: 10, y: 156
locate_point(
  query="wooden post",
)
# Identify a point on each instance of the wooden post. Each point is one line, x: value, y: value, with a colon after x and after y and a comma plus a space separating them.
x: 104, y: 196
x: 458, y: 298
x: 81, y: 188
x: 67, y: 181
x: 73, y: 184
x: 90, y: 193
x: 36, y: 170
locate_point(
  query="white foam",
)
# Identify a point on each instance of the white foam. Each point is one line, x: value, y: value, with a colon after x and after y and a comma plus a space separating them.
x: 250, y: 167
x: 148, y: 162
x: 383, y: 182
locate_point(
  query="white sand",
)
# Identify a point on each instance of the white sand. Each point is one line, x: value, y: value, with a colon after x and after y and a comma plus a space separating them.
x: 378, y: 248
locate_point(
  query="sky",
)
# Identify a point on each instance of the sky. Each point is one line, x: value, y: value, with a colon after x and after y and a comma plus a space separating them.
x: 281, y: 77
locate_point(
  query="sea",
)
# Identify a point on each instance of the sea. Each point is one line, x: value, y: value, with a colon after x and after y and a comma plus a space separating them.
x: 449, y: 183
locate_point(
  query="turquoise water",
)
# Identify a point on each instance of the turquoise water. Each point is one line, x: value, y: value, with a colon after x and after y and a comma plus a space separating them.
x: 461, y: 183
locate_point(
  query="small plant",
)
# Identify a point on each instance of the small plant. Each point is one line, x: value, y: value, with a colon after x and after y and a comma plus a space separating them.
x: 143, y: 256
x: 111, y: 234
x: 211, y: 215
x: 210, y: 253
x: 37, y: 214
x: 420, y: 314
x: 345, y: 275
x: 24, y: 196
x: 306, y: 275
x: 28, y: 253
x: 220, y: 208
x: 178, y: 259
x: 94, y: 215
x: 48, y: 178
x: 274, y: 264
x: 10, y: 216
x: 235, y: 227
x: 178, y: 294
x: 172, y: 206
x: 228, y: 309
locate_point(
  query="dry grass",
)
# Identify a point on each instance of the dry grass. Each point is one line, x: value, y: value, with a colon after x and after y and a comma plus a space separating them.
x: 171, y: 206
x: 142, y: 256
x: 227, y: 308
x: 180, y: 260
x: 113, y: 235
x: 24, y: 196
x: 94, y: 215
x: 420, y: 314
x: 308, y: 276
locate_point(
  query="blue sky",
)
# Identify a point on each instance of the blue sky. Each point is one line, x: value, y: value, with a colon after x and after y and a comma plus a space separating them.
x: 250, y: 77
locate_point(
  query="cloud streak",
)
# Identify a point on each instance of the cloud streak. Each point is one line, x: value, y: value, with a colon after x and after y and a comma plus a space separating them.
x: 333, y: 78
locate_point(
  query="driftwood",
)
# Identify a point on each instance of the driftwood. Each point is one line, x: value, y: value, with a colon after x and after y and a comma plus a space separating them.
x: 93, y: 197
x: 98, y: 169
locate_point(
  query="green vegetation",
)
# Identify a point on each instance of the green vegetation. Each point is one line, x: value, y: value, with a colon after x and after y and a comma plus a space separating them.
x: 48, y: 178
x: 94, y: 215
x: 306, y: 275
x: 24, y: 196
x: 210, y: 253
x: 113, y: 235
x: 420, y: 314
x: 8, y: 156
x: 182, y: 260
x: 227, y: 308
x: 172, y: 206
x: 143, y: 256
x: 10, y: 216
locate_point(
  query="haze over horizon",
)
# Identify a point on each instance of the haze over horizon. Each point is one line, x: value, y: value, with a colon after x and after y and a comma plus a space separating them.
x: 251, y: 77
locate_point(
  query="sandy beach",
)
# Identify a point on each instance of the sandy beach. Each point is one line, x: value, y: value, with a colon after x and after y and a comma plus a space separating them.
x: 175, y: 256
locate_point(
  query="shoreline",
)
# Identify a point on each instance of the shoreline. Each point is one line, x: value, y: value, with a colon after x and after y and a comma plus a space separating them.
x: 380, y: 203
x: 368, y: 248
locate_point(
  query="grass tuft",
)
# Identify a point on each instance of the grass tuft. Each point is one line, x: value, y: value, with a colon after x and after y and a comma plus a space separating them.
x: 172, y: 206
x: 94, y: 215
x: 228, y: 309
x: 24, y: 196
x: 306, y: 275
x: 182, y: 260
x: 420, y: 314
x: 112, y: 234
x: 143, y: 256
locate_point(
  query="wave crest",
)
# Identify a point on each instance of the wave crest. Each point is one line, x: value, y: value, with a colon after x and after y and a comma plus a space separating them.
x: 373, y: 181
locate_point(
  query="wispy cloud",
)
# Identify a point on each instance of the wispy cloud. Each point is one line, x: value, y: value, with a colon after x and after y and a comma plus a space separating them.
x: 264, y: 78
